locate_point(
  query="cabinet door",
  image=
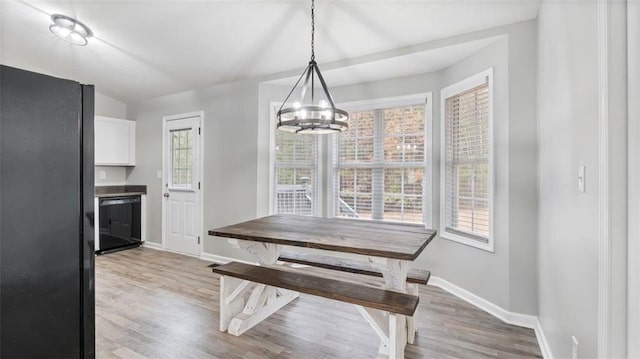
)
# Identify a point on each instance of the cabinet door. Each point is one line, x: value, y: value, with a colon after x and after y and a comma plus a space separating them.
x: 114, y: 142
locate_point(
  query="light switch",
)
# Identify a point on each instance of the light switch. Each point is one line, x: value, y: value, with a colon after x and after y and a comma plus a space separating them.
x: 159, y: 175
x: 581, y: 178
x: 103, y: 174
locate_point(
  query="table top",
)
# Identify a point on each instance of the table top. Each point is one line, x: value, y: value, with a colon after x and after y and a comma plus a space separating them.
x: 372, y: 238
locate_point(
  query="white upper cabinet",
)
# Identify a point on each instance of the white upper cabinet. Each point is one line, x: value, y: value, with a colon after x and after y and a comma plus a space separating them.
x: 115, y: 142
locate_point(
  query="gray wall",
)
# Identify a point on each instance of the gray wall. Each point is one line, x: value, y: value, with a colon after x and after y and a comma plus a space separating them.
x: 568, y: 137
x: 110, y: 107
x: 513, y: 266
x: 230, y: 155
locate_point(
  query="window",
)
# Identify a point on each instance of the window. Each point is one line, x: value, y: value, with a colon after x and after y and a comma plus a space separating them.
x: 380, y: 164
x: 295, y: 173
x: 376, y: 170
x: 181, y: 158
x: 466, y: 166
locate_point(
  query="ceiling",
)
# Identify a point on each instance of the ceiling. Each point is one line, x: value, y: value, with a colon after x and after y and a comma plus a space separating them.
x: 397, y: 66
x: 148, y: 48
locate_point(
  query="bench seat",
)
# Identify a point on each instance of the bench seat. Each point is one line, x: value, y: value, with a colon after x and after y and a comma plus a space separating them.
x: 416, y: 276
x: 366, y: 296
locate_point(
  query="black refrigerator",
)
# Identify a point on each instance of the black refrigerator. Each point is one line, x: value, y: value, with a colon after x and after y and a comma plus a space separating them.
x: 47, y: 296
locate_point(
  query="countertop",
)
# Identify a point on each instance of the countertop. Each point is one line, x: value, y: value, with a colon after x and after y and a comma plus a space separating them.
x: 126, y: 190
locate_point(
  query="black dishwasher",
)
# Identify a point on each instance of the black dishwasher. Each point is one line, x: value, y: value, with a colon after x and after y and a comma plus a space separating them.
x: 120, y: 219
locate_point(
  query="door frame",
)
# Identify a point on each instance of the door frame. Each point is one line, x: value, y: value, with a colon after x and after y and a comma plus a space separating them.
x: 633, y: 117
x: 615, y: 196
x: 165, y: 178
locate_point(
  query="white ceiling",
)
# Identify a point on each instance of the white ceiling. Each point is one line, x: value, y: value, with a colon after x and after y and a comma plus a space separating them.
x: 397, y: 66
x: 148, y: 48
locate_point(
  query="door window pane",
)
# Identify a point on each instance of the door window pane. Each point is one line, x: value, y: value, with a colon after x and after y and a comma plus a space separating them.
x: 181, y: 158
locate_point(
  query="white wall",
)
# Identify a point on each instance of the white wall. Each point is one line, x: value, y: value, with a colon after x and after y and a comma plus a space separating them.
x: 110, y: 107
x: 230, y: 155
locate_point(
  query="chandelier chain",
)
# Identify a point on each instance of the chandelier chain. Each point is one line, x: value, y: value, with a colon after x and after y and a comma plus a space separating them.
x: 312, y: 118
x: 313, y: 30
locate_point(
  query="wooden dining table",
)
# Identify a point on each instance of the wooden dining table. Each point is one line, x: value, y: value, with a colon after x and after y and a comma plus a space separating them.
x: 389, y: 247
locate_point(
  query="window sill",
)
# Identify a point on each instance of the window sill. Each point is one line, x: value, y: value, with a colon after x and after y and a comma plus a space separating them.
x: 468, y: 241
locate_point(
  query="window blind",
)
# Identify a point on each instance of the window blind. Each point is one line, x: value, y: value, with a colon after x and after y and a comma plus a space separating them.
x: 379, y: 165
x: 467, y: 163
x: 295, y: 178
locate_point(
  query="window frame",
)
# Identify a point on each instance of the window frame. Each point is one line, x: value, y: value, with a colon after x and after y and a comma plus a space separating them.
x: 447, y: 92
x: 381, y: 103
x: 325, y: 167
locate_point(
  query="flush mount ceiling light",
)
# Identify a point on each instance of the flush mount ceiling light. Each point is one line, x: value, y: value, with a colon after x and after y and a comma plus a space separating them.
x: 314, y: 118
x: 70, y: 29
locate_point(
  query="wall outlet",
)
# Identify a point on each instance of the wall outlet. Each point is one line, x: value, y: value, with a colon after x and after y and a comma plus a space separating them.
x: 103, y: 174
x: 574, y: 348
x: 159, y: 174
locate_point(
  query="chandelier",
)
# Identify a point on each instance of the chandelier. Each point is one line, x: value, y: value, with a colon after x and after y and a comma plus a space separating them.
x: 311, y: 118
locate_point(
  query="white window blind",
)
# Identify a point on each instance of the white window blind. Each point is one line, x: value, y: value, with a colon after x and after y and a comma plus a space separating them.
x: 466, y: 164
x: 295, y: 174
x: 379, y: 165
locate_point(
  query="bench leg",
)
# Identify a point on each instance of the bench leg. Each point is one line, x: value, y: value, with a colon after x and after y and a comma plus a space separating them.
x: 412, y: 289
x: 263, y: 302
x: 397, y: 336
x: 394, y: 272
x: 232, y: 292
x: 395, y: 276
x: 391, y: 328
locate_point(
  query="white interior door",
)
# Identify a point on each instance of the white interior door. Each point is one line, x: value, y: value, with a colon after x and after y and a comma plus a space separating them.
x: 182, y: 208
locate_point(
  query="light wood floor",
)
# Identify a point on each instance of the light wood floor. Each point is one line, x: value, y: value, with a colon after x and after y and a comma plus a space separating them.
x: 154, y: 304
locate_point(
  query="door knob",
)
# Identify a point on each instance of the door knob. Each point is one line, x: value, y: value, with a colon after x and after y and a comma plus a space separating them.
x: 166, y: 194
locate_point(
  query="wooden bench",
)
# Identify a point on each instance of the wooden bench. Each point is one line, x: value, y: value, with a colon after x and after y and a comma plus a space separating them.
x: 385, y: 310
x: 416, y: 276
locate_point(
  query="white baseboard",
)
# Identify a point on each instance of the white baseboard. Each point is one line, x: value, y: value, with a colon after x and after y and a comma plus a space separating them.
x: 542, y: 341
x: 521, y: 320
x: 215, y: 258
x: 152, y: 245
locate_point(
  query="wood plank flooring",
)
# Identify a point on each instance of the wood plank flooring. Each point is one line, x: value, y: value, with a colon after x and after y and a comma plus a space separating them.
x: 154, y: 304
